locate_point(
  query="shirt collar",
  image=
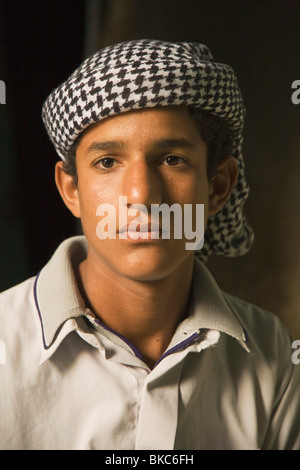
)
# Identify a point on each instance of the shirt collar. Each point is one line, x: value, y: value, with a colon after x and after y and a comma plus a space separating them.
x: 58, y: 298
x: 210, y: 307
x: 56, y: 293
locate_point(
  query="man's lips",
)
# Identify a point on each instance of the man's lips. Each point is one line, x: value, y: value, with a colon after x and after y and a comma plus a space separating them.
x: 149, y: 227
x: 141, y: 231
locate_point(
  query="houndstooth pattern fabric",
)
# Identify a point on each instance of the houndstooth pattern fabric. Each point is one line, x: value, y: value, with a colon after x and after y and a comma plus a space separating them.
x: 148, y: 73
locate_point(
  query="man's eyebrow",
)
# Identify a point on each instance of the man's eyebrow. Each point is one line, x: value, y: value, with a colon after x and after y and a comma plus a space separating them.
x: 106, y: 145
x: 160, y: 143
x: 175, y: 142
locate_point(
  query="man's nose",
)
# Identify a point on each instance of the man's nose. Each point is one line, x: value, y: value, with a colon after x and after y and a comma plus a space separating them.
x: 141, y: 184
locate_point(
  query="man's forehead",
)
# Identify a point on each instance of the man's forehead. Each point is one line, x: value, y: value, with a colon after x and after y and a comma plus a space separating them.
x: 164, y: 127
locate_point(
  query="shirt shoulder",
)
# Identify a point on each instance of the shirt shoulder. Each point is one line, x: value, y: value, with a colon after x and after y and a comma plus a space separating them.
x: 16, y: 299
x: 254, y: 317
x: 19, y: 320
x: 267, y: 337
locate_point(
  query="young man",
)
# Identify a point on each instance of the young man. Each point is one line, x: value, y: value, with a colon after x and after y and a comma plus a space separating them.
x: 124, y: 340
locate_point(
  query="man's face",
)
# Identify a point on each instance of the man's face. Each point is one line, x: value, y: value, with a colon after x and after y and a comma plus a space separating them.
x: 152, y: 156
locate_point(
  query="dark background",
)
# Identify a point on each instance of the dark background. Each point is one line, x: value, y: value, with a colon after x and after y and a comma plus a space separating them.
x: 42, y: 42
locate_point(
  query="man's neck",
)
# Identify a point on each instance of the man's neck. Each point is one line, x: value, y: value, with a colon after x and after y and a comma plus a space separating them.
x: 145, y: 313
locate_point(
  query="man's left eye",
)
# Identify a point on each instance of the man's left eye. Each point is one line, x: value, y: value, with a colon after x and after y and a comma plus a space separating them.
x: 173, y: 160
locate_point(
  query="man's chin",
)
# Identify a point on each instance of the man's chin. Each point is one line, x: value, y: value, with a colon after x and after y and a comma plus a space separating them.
x: 150, y: 267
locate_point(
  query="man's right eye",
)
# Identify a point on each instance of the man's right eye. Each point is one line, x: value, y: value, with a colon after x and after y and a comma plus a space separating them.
x: 105, y: 163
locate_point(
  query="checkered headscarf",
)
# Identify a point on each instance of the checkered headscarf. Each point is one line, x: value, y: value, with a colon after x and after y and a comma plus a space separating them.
x: 147, y: 73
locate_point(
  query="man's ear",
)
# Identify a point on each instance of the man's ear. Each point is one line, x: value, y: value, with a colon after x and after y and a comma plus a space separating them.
x: 67, y: 189
x: 222, y: 184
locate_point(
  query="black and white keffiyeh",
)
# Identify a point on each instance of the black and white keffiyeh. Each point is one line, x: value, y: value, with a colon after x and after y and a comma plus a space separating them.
x: 147, y: 73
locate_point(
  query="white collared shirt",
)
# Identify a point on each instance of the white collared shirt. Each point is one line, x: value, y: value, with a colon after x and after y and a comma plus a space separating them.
x: 226, y: 381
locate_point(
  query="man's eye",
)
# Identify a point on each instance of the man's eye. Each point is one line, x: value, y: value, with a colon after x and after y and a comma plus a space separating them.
x: 106, y: 162
x: 173, y: 160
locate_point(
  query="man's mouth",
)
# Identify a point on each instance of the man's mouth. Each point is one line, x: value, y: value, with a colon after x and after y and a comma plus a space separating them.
x: 144, y: 231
